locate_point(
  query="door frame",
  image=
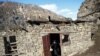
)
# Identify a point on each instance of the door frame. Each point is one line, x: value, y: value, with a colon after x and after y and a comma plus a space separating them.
x: 60, y: 36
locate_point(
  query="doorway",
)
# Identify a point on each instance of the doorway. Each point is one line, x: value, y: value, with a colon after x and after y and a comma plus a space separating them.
x: 51, y: 44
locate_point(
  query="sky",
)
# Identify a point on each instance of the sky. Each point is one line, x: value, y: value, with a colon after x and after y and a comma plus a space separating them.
x: 67, y: 8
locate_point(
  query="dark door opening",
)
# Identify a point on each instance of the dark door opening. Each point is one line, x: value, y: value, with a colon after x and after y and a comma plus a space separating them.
x: 55, y: 44
x: 52, y: 41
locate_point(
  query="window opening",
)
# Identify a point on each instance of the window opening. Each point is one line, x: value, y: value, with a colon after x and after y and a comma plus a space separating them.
x: 10, y: 45
x: 65, y: 39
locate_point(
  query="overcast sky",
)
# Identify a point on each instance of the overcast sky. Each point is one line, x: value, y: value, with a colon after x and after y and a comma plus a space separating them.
x: 67, y: 8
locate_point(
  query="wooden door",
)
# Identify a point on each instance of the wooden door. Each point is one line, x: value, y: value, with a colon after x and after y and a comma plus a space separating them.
x: 46, y: 45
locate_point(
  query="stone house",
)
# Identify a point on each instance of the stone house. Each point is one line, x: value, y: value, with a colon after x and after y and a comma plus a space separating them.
x: 27, y: 30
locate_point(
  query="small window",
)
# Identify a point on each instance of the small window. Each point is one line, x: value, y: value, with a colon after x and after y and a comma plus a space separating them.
x: 10, y: 45
x: 65, y: 40
x: 12, y: 39
x: 92, y: 36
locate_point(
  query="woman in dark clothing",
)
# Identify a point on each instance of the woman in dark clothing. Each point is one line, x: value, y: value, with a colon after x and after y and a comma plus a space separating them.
x: 56, y: 49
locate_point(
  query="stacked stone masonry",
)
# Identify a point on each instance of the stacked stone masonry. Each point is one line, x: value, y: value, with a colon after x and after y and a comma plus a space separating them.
x: 31, y: 43
x: 28, y: 24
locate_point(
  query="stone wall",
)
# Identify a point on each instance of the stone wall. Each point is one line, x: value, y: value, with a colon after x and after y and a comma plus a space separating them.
x: 30, y: 43
x: 2, y: 51
x: 90, y: 11
x: 80, y: 38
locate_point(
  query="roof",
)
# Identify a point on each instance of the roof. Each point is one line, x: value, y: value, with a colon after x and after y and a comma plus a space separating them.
x: 32, y: 12
x: 15, y: 15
